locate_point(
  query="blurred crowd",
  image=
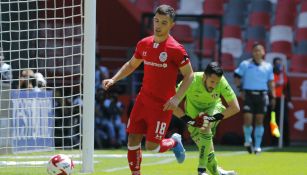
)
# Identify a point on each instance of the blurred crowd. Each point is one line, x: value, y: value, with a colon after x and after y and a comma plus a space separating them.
x: 110, y: 131
x: 30, y: 80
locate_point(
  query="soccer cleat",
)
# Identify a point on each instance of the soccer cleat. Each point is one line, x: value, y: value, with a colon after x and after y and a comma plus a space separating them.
x: 202, y: 173
x: 249, y: 147
x: 178, y: 150
x: 225, y: 172
x: 257, y: 150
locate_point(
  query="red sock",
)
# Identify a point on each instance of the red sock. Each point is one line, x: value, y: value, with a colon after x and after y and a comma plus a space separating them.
x: 167, y: 144
x: 134, y: 160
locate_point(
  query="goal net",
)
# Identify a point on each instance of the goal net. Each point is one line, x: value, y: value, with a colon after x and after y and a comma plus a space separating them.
x: 41, y: 86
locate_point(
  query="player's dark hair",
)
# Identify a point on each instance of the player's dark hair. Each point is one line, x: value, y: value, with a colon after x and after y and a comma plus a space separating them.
x: 276, y: 59
x: 214, y: 68
x: 256, y: 44
x: 166, y: 10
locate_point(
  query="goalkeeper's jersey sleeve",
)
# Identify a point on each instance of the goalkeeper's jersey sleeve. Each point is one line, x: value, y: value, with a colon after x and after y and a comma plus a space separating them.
x: 198, y: 98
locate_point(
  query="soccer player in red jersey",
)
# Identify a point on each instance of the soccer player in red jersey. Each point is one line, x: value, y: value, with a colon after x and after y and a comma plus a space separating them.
x: 162, y: 56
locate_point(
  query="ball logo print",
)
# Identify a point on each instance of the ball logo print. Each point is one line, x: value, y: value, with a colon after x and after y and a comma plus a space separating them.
x: 60, y: 164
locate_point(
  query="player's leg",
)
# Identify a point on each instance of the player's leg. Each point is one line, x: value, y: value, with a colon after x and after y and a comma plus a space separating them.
x: 135, y: 153
x: 136, y: 128
x: 260, y: 110
x: 158, y: 122
x: 212, y: 161
x: 258, y: 133
x: 248, y: 121
x: 166, y: 144
x: 203, y: 140
x: 247, y: 130
x: 212, y: 165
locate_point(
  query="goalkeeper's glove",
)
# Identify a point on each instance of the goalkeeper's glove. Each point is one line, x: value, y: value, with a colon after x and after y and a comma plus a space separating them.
x: 214, y: 118
x: 198, y: 121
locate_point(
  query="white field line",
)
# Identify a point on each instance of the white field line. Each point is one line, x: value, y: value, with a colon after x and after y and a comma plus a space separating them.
x: 173, y: 159
x: 165, y: 161
x: 106, y: 156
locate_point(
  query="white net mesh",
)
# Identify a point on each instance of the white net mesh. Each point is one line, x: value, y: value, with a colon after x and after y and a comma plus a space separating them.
x: 41, y: 45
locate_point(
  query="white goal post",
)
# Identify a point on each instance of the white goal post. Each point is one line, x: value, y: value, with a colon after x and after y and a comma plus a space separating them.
x: 89, y: 82
x: 47, y: 83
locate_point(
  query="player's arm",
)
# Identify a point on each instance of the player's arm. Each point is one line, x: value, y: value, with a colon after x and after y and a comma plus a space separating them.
x: 237, y: 81
x: 271, y: 84
x: 232, y: 109
x: 231, y: 100
x: 123, y: 72
x: 188, y: 77
x: 238, y: 74
x: 272, y: 88
x: 198, y: 121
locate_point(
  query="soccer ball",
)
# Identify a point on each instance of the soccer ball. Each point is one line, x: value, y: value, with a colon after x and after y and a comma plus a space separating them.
x: 60, y: 164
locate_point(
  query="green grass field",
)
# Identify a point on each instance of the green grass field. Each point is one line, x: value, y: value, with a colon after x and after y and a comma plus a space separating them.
x: 287, y: 161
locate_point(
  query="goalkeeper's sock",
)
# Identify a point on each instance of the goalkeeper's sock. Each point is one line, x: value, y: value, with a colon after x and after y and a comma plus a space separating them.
x: 258, y: 135
x: 247, y: 129
x: 167, y: 144
x: 134, y: 159
x: 212, y: 164
x: 204, y: 146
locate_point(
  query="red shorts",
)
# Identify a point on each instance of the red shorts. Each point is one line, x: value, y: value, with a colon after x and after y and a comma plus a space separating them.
x: 147, y: 117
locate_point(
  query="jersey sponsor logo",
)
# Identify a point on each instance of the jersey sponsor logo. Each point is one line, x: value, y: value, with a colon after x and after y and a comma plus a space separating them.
x: 149, y: 63
x: 163, y: 56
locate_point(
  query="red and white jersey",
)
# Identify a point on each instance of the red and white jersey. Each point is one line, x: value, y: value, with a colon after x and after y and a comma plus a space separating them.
x: 161, y: 65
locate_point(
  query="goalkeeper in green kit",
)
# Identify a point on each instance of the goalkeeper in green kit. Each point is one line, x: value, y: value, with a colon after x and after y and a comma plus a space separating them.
x: 204, y: 110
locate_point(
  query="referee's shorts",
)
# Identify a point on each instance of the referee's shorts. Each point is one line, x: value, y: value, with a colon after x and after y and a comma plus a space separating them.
x: 256, y: 101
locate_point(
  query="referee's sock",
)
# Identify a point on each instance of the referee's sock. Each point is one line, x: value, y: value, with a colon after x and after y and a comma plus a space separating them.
x: 259, y: 130
x: 248, y: 129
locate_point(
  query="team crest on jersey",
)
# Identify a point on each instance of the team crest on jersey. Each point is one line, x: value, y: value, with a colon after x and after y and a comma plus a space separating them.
x: 214, y: 95
x: 163, y: 56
